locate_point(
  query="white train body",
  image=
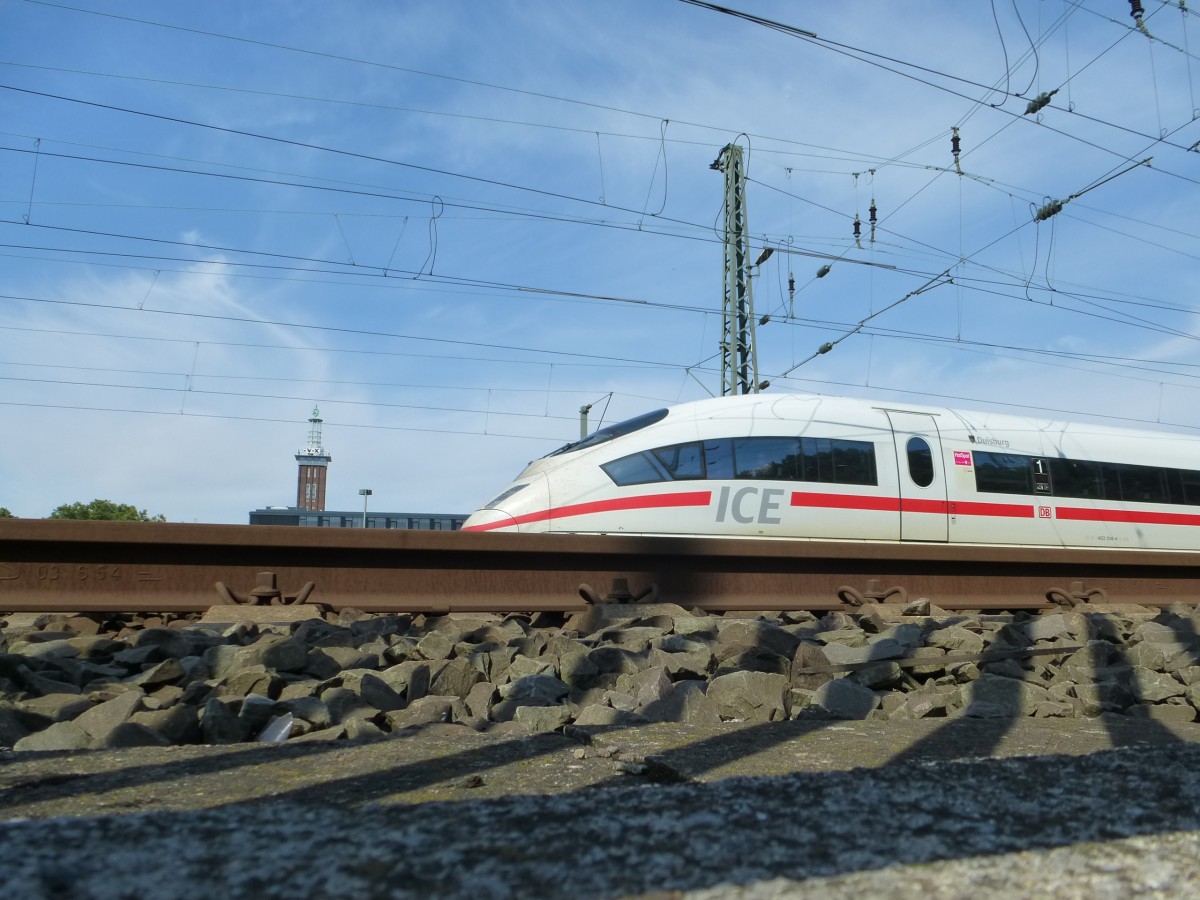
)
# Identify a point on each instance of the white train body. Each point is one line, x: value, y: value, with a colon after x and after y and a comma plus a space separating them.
x: 800, y: 466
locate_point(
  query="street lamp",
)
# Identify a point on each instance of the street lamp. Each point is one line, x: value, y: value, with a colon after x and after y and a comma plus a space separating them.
x: 364, y: 493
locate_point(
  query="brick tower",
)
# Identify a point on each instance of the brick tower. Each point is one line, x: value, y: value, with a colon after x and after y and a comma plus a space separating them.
x: 314, y: 462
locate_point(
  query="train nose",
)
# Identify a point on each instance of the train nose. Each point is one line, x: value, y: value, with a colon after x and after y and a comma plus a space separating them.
x: 523, y: 507
x: 490, y: 520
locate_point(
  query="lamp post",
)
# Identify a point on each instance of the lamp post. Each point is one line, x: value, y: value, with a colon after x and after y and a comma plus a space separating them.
x: 364, y: 493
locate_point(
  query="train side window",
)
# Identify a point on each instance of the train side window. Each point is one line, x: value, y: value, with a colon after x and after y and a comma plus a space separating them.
x: 920, y: 461
x: 774, y: 458
x: 1002, y: 473
x: 1007, y: 473
x: 854, y: 462
x: 682, y: 461
x: 1076, y: 478
x: 837, y: 461
x: 1149, y: 485
x: 1137, y: 484
x: 1190, y: 484
x: 636, y: 469
x: 718, y: 459
x: 818, y: 459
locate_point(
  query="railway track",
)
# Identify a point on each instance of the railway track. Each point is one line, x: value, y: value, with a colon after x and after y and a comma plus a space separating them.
x: 134, y: 566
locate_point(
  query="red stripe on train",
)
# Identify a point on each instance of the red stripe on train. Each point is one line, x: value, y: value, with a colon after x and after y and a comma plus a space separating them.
x: 618, y: 504
x: 852, y: 502
x: 845, y: 501
x: 1000, y: 510
x: 894, y: 504
x: 1137, y: 517
x: 643, y: 501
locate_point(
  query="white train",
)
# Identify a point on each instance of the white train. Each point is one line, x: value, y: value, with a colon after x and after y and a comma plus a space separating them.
x: 802, y: 466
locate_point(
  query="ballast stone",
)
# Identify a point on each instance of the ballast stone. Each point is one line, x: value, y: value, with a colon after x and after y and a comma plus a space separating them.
x: 219, y: 724
x: 457, y: 678
x: 11, y: 728
x: 57, y: 707
x: 844, y: 698
x: 750, y: 696
x: 1154, y: 687
x: 840, y: 654
x: 59, y: 736
x: 663, y: 668
x: 1046, y: 628
x: 133, y: 734
x: 170, y: 642
x: 427, y: 711
x: 687, y: 703
x: 542, y: 718
x: 997, y: 696
x: 102, y: 718
x: 956, y: 638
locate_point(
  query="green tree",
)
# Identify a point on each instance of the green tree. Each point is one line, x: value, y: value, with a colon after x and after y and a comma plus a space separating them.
x: 5, y: 514
x: 106, y: 510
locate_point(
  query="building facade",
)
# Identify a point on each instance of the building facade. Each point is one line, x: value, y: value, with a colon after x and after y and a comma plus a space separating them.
x: 310, y: 510
x: 291, y: 515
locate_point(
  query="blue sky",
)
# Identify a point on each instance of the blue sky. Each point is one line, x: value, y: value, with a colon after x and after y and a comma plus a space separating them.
x: 451, y: 224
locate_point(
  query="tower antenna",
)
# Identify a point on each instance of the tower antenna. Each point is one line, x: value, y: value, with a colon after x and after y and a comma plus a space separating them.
x: 314, y: 463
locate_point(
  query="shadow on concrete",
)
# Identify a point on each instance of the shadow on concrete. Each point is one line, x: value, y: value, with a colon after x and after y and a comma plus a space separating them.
x: 980, y: 736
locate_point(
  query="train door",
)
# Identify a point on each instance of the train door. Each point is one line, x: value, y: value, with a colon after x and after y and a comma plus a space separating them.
x: 923, y: 509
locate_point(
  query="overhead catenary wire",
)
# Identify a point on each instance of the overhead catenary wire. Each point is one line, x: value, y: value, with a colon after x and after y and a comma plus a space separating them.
x: 880, y: 60
x: 638, y: 301
x: 641, y: 114
x: 937, y: 281
x: 643, y: 210
x: 229, y: 417
x: 859, y: 328
x: 1054, y: 207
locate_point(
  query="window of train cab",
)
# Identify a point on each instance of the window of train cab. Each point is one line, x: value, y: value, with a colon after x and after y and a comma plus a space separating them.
x: 612, y: 432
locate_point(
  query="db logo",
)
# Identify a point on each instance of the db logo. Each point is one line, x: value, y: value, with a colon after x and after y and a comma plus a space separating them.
x: 1044, y: 512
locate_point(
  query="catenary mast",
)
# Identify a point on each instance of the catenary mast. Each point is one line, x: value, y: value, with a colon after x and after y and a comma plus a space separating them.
x: 739, y: 358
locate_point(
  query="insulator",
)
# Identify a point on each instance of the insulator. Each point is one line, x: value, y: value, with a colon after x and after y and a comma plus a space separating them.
x: 824, y: 270
x: 857, y: 227
x: 791, y: 283
x: 955, y: 143
x: 1039, y: 102
x: 765, y: 319
x: 825, y: 348
x: 1053, y: 208
x: 873, y: 218
x: 1135, y: 9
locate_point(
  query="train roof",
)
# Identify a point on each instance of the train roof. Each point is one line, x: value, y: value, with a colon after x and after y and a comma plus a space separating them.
x: 787, y: 406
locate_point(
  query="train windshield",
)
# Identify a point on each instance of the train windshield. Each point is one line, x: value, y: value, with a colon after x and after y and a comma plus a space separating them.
x: 609, y: 432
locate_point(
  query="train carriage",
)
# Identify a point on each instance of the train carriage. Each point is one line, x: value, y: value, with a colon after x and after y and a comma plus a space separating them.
x: 812, y: 467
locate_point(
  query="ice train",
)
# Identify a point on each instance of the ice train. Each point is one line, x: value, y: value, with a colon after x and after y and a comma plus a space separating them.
x: 816, y: 467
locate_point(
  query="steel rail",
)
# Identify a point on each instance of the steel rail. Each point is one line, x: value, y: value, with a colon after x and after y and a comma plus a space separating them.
x: 138, y: 566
